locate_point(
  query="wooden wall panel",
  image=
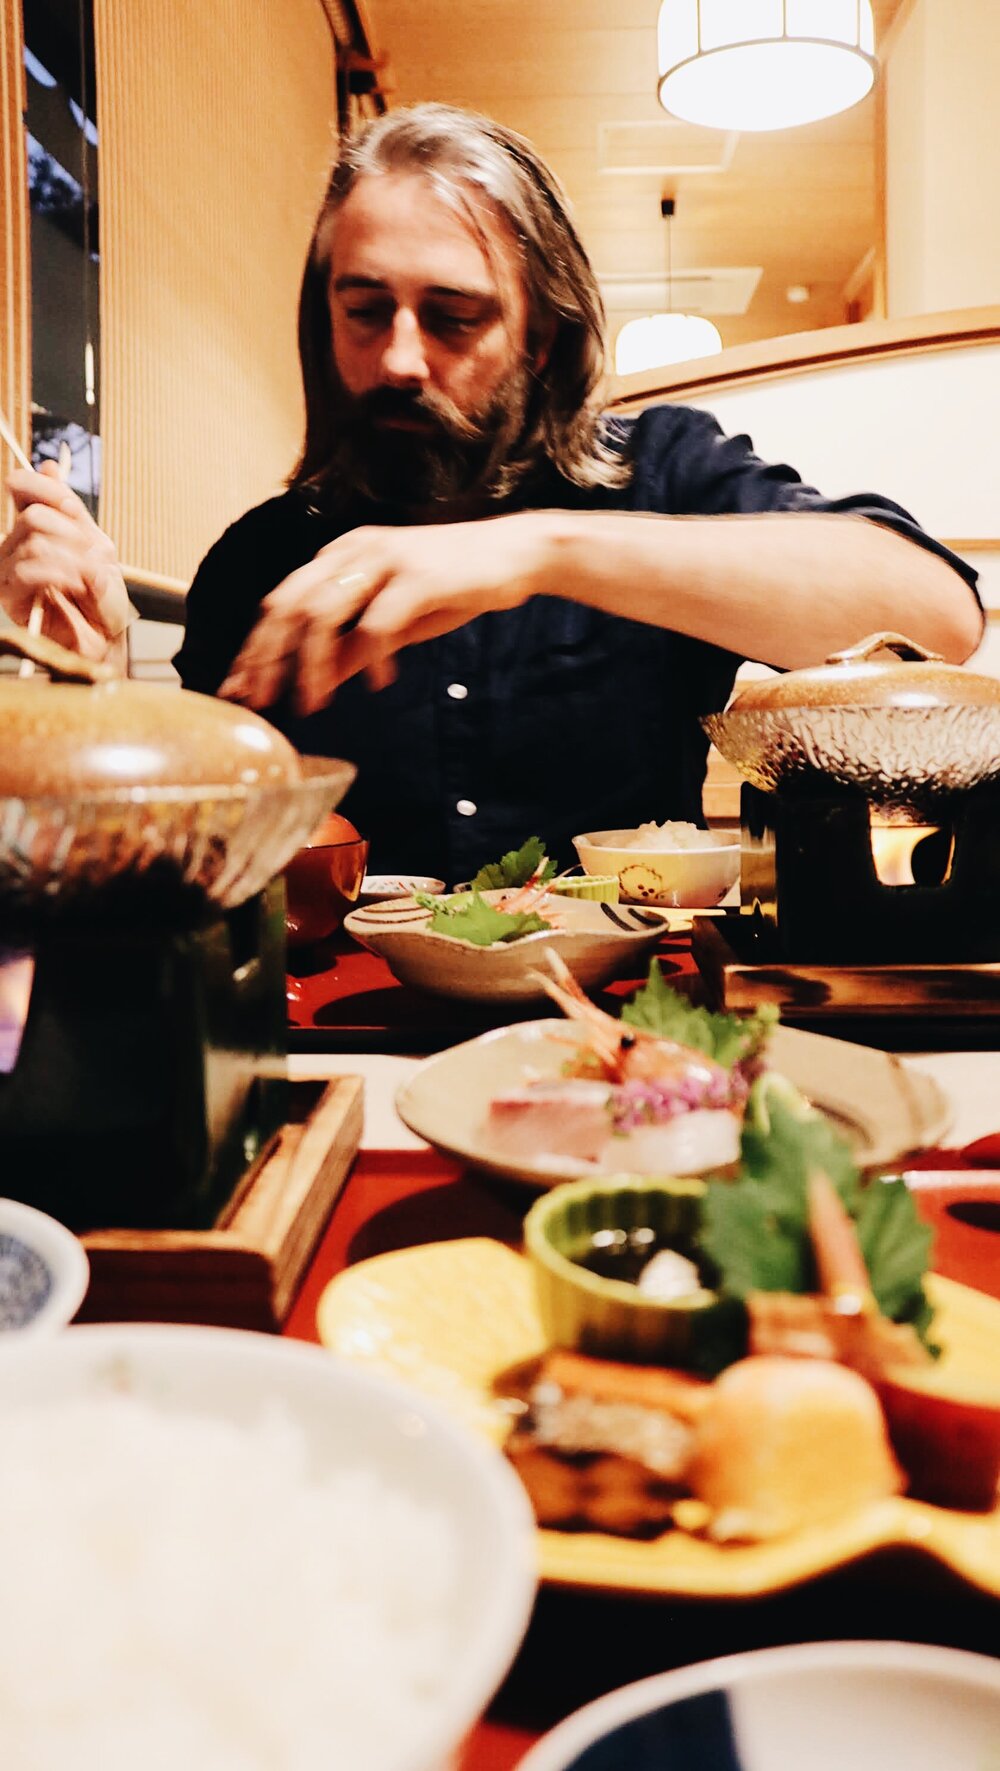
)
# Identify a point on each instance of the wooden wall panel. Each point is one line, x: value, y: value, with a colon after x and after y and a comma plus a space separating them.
x: 217, y: 124
x: 15, y: 313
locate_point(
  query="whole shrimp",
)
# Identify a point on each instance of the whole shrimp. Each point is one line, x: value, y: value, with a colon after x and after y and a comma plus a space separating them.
x: 626, y: 1054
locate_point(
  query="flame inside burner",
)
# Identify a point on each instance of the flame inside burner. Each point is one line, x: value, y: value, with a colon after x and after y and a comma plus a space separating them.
x: 893, y: 849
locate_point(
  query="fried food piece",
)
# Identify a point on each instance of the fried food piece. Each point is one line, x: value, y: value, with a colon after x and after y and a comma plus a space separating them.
x: 605, y: 1446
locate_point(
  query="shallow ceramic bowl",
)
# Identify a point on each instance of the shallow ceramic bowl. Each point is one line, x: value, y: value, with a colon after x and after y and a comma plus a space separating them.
x: 821, y: 1705
x: 44, y: 1271
x: 880, y: 1105
x: 611, y: 1318
x: 384, y: 888
x: 351, y: 1420
x: 594, y: 948
x: 669, y: 878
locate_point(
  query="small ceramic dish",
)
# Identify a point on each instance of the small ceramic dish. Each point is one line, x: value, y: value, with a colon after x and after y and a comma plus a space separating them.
x: 383, y: 888
x: 611, y: 1318
x: 44, y: 1271
x: 593, y: 946
x: 669, y: 878
x: 603, y: 887
x: 824, y: 1705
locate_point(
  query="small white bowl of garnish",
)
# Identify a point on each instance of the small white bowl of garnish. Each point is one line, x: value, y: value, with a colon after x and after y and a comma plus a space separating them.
x: 672, y: 865
x: 384, y: 888
x: 460, y: 947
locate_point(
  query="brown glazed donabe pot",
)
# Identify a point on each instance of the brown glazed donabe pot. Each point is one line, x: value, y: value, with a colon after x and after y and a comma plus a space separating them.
x: 86, y: 730
x: 885, y: 716
x: 884, y: 670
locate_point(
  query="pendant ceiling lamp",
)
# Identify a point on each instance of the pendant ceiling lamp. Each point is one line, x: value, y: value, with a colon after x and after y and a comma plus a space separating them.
x: 656, y: 340
x: 764, y: 64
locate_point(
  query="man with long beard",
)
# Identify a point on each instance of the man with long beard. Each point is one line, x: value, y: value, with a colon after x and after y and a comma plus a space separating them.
x: 490, y: 597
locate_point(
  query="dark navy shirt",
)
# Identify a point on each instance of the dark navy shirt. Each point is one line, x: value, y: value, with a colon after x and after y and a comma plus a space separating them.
x: 550, y: 719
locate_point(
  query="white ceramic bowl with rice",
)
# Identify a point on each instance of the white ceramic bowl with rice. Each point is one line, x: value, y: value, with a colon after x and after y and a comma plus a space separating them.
x: 672, y: 866
x: 44, y: 1271
x: 230, y: 1550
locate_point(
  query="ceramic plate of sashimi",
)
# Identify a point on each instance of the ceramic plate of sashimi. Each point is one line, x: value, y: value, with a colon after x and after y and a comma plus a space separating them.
x: 885, y: 1109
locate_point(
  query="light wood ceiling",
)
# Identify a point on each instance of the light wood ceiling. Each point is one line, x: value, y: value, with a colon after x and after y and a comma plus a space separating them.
x: 801, y: 204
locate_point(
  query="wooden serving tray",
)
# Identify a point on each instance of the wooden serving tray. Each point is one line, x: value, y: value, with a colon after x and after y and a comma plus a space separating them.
x: 245, y: 1271
x: 737, y: 977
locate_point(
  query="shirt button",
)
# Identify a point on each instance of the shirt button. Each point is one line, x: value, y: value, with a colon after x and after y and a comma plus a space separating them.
x: 467, y: 807
x: 457, y: 691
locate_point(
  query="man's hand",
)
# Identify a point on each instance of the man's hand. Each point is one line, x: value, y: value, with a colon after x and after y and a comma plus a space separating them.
x: 372, y: 592
x: 55, y: 552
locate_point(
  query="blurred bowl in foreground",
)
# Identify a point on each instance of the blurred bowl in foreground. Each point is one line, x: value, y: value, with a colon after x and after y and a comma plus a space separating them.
x: 44, y: 1270
x: 282, y: 1559
x: 670, y: 878
x: 323, y: 881
x: 824, y: 1705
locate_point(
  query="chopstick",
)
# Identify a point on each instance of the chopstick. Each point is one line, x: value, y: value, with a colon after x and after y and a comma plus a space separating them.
x: 7, y: 433
x: 37, y: 613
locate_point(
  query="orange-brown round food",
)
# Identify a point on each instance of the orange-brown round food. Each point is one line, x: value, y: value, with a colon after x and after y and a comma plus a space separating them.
x: 787, y: 1442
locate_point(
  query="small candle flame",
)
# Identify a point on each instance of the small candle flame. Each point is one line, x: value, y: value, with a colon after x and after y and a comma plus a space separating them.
x: 892, y: 851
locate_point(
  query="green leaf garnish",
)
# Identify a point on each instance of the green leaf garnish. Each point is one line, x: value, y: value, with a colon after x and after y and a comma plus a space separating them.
x: 468, y: 917
x: 783, y: 1138
x: 755, y: 1230
x: 515, y: 868
x: 896, y: 1244
x: 726, y: 1038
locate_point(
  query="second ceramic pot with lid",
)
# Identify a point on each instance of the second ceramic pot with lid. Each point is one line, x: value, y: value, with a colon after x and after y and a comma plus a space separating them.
x: 885, y: 715
x: 161, y: 794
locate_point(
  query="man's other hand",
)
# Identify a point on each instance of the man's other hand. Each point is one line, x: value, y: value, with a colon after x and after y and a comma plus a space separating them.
x: 56, y: 553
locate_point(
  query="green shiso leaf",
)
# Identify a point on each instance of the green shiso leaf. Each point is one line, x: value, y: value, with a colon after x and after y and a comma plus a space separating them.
x: 515, y: 868
x: 896, y: 1244
x: 728, y: 1039
x: 784, y: 1138
x: 468, y: 917
x: 755, y: 1230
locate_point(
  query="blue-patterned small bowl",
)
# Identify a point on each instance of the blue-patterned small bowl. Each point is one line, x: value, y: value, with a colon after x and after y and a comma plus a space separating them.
x: 44, y: 1270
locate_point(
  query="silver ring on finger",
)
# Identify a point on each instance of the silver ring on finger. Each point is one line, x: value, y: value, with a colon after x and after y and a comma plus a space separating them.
x: 351, y: 580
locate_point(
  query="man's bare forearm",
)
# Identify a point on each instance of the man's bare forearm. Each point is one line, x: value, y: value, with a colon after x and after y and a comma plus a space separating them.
x: 784, y: 588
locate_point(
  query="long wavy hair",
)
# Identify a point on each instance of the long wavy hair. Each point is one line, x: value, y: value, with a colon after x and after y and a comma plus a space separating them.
x: 466, y: 156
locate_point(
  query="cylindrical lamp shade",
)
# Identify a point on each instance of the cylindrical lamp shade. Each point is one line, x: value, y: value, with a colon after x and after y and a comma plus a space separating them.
x: 764, y: 64
x: 659, y: 339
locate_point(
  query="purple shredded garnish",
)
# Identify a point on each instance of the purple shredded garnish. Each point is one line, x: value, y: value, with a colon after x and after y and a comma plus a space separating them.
x: 651, y: 1103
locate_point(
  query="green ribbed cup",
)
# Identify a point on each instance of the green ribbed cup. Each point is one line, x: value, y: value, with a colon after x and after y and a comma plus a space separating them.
x: 601, y: 888
x: 610, y: 1318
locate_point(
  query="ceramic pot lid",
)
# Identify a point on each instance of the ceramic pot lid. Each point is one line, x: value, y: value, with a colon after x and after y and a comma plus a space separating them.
x: 884, y: 670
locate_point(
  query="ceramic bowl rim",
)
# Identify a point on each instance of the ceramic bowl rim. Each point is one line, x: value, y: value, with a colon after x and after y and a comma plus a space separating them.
x: 498, y: 949
x: 592, y: 839
x: 561, y: 1748
x: 483, y: 1668
x: 64, y: 1256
